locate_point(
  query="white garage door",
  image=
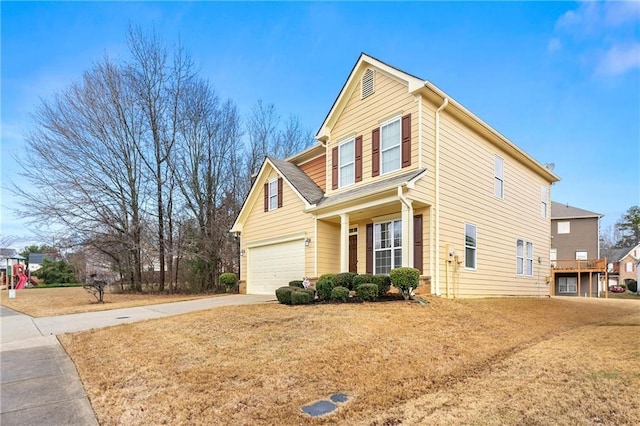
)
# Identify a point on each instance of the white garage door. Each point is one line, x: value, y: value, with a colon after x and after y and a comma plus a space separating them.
x: 273, y: 266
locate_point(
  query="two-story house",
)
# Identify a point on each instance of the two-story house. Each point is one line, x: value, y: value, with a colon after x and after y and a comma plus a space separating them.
x: 575, y: 251
x: 402, y: 175
x: 623, y: 265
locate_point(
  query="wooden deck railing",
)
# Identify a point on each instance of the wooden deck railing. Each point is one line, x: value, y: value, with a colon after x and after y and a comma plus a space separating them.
x: 599, y: 265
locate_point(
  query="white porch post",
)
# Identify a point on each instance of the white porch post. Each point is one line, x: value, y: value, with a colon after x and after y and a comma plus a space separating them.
x: 407, y: 233
x: 344, y: 242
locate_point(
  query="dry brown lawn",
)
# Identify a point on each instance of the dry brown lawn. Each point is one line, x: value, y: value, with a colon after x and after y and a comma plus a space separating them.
x: 482, y: 361
x: 44, y: 302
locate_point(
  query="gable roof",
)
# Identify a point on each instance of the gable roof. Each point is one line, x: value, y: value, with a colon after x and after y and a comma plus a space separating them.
x: 37, y: 258
x: 617, y: 254
x: 417, y: 86
x: 299, y: 180
x: 301, y: 184
x: 565, y: 211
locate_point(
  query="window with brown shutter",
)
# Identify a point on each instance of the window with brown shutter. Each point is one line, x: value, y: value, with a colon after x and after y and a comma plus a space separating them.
x: 279, y: 192
x: 358, y: 158
x: 266, y: 197
x: 334, y: 168
x: 375, y: 152
x: 406, y: 140
x: 417, y: 242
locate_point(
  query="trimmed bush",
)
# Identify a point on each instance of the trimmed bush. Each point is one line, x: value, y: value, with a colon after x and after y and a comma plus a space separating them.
x: 367, y: 291
x: 344, y: 279
x: 406, y: 280
x: 324, y: 287
x: 311, y: 292
x: 632, y: 285
x: 326, y: 276
x: 229, y: 280
x: 296, y: 283
x: 362, y: 279
x: 283, y: 294
x: 340, y: 294
x: 383, y: 282
x: 301, y: 297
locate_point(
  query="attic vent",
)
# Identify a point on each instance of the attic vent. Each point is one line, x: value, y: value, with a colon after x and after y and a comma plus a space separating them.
x: 367, y: 83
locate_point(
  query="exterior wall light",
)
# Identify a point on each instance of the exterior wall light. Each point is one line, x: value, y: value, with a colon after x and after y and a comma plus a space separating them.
x: 307, y: 241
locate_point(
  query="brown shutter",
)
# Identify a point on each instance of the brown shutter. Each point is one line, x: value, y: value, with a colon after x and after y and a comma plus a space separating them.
x: 369, y: 248
x: 375, y: 149
x: 358, y: 158
x: 279, y: 192
x: 334, y: 168
x: 266, y: 197
x: 406, y: 140
x: 417, y: 242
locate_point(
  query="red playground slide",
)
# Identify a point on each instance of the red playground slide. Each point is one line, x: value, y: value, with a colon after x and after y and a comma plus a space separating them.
x: 22, y: 278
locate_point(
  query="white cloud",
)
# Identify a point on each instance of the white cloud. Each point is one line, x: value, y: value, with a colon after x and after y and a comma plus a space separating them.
x: 601, y: 35
x: 619, y: 59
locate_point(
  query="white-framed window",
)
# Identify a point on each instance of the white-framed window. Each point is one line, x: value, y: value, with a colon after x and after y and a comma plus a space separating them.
x: 390, y: 152
x: 544, y: 197
x: 387, y: 246
x: 346, y: 162
x: 567, y: 284
x: 553, y: 256
x: 564, y: 227
x: 273, y: 194
x: 581, y: 255
x: 470, y: 246
x: 629, y: 267
x: 498, y: 177
x: 524, y: 258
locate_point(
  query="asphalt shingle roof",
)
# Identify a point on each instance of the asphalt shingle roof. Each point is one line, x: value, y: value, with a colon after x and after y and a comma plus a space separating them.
x: 564, y: 211
x: 299, y: 179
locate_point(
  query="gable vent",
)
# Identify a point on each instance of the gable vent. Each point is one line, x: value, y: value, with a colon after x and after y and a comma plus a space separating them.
x: 367, y: 83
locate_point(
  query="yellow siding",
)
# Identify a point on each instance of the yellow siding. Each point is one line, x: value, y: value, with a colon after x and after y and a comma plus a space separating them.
x: 361, y: 116
x: 287, y: 220
x: 328, y: 247
x: 466, y: 182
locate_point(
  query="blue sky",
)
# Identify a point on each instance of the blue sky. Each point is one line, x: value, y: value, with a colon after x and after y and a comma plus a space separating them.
x: 559, y: 79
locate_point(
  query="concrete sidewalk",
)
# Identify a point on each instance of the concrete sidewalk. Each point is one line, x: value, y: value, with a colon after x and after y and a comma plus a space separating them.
x: 39, y: 384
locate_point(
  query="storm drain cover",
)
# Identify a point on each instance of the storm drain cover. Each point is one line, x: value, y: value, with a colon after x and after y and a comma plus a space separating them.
x: 322, y: 407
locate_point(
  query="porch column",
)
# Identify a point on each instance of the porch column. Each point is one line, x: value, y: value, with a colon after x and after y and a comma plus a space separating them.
x: 344, y: 242
x: 407, y: 233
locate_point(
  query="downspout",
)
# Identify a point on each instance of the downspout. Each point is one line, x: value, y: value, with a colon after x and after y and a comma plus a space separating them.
x: 437, y: 194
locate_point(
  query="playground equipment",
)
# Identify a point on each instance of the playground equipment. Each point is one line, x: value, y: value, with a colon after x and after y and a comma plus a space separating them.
x: 22, y: 277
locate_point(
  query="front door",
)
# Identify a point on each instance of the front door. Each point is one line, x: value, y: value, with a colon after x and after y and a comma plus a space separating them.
x: 353, y: 253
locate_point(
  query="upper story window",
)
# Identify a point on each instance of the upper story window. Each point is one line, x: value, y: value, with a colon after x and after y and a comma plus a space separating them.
x: 390, y: 146
x: 564, y: 227
x: 544, y: 197
x: 346, y: 163
x: 498, y: 179
x: 273, y: 194
x: 470, y: 246
x: 581, y: 255
x: 629, y: 267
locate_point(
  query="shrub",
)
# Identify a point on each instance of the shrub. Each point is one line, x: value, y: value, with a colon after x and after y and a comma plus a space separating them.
x: 383, y: 282
x: 326, y: 276
x: 301, y: 297
x: 367, y: 291
x: 324, y: 287
x: 283, y: 294
x: 632, y: 285
x: 340, y: 293
x: 406, y: 280
x: 362, y: 279
x: 229, y: 281
x: 344, y: 279
x: 311, y: 292
x: 296, y: 283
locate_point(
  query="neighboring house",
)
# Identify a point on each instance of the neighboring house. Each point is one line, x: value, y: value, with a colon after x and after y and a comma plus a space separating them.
x: 575, y: 251
x: 623, y: 265
x: 402, y: 175
x: 36, y: 260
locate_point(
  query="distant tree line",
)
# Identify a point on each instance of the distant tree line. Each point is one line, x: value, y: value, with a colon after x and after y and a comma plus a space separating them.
x: 142, y: 163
